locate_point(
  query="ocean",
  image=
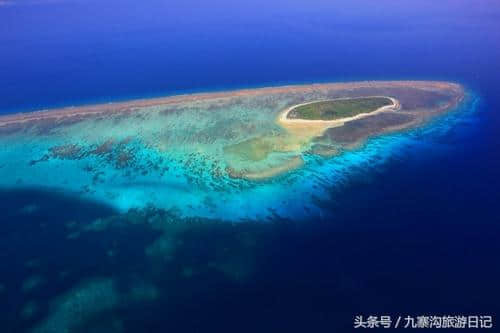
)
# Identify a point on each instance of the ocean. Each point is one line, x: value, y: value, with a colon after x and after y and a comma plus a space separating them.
x: 411, y: 228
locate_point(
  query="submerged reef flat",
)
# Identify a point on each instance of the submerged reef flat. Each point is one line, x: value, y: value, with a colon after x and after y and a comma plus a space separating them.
x: 189, y: 150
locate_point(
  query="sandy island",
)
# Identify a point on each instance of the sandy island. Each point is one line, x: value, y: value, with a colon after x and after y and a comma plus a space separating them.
x: 307, y: 127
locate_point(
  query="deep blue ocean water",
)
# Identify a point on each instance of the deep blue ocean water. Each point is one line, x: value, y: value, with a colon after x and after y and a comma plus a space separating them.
x: 419, y: 235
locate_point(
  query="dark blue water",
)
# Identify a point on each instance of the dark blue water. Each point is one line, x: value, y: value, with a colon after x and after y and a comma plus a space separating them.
x: 419, y: 236
x: 72, y: 52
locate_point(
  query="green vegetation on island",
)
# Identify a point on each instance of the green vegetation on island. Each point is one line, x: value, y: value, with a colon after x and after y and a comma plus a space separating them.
x: 338, y: 108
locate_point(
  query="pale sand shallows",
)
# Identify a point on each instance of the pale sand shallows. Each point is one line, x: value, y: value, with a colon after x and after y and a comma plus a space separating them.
x: 292, y: 164
x: 305, y: 130
x: 89, y: 110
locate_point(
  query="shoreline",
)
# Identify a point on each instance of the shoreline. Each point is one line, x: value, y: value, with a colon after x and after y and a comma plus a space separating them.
x: 127, y: 106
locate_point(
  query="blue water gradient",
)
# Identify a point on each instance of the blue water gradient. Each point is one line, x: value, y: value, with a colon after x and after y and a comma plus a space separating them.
x: 72, y: 52
x: 406, y: 224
